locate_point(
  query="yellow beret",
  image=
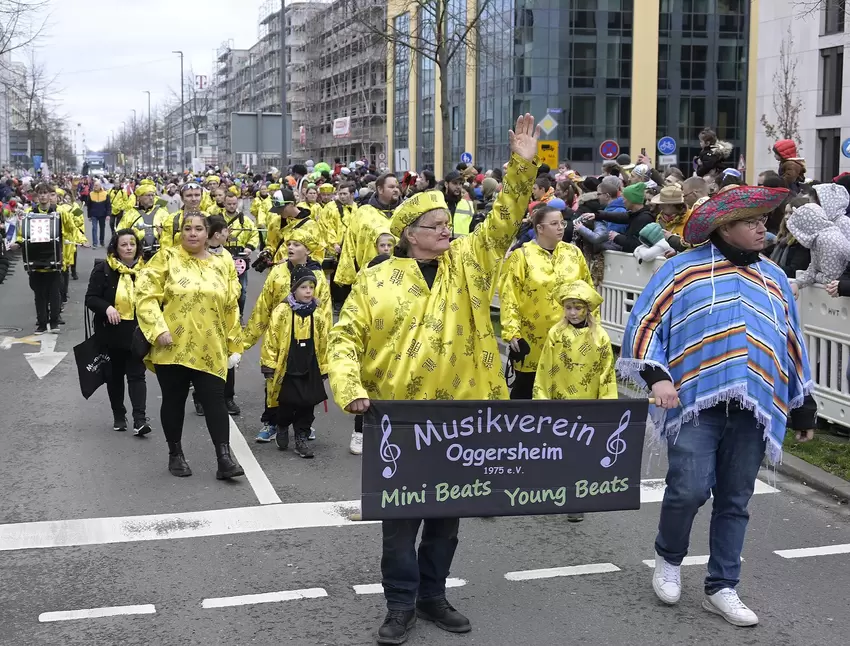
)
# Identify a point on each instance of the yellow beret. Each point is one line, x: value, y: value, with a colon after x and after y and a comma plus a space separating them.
x: 147, y: 182
x: 145, y: 189
x: 274, y: 187
x: 305, y: 236
x: 580, y: 291
x: 326, y: 188
x: 414, y: 207
x: 60, y: 192
x: 214, y: 178
x: 233, y: 191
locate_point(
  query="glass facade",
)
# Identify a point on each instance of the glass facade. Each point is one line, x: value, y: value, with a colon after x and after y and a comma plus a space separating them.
x: 702, y: 73
x: 427, y: 95
x: 401, y: 84
x: 457, y: 77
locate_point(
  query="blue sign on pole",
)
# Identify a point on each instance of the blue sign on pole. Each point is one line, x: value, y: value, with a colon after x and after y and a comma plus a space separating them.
x: 845, y: 148
x: 466, y: 158
x: 667, y: 145
x: 36, y: 161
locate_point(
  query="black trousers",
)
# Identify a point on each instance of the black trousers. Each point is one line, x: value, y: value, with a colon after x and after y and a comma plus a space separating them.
x: 358, y: 423
x: 48, y: 296
x: 63, y: 286
x: 174, y: 383
x: 125, y: 364
x: 300, y: 418
x: 523, y: 386
x: 230, y: 384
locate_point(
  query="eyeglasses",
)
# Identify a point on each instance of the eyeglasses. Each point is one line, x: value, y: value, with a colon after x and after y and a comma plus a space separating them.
x: 439, y: 229
x: 753, y: 223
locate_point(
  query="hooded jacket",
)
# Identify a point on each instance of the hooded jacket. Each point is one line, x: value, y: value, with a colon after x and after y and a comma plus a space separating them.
x: 792, y: 169
x: 834, y: 199
x: 713, y: 158
x: 830, y: 248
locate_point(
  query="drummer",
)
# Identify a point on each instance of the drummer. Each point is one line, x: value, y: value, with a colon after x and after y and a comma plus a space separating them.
x: 242, y: 240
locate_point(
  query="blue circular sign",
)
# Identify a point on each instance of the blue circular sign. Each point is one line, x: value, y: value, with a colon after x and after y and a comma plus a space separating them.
x: 609, y: 149
x: 466, y: 158
x: 845, y: 148
x: 667, y: 145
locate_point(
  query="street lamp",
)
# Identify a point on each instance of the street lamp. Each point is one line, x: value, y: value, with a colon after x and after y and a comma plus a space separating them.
x: 150, y: 141
x: 182, y: 109
x: 133, y: 135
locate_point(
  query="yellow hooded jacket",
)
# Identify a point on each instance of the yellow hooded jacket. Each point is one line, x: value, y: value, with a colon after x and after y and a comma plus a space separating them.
x: 243, y: 231
x: 309, y: 228
x: 399, y: 339
x: 359, y: 244
x: 334, y: 220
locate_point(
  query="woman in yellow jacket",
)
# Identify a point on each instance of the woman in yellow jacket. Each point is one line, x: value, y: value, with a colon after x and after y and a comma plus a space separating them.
x: 168, y: 224
x: 187, y: 310
x: 528, y: 308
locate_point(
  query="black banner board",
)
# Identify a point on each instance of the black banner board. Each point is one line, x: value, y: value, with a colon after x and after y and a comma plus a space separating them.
x: 444, y: 459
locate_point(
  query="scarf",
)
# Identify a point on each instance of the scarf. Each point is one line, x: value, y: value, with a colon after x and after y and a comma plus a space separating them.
x: 98, y: 196
x: 302, y: 309
x: 669, y: 221
x: 125, y: 293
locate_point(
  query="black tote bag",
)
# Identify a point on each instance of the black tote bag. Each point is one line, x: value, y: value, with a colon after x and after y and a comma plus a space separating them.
x: 93, y: 363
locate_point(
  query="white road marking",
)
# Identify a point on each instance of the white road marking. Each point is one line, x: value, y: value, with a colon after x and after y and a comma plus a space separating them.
x: 652, y: 490
x: 257, y: 478
x: 93, y: 613
x: 805, y: 552
x: 570, y: 570
x: 217, y: 522
x: 45, y: 360
x: 265, y: 597
x: 688, y: 560
x: 377, y: 588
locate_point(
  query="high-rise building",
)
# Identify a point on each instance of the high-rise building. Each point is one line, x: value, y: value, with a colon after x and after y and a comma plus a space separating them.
x: 804, y: 68
x: 629, y: 71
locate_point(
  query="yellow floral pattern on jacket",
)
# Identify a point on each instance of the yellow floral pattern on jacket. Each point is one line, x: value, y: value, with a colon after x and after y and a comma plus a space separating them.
x: 576, y: 363
x: 359, y: 248
x: 196, y: 301
x: 308, y: 228
x: 398, y: 339
x: 527, y: 306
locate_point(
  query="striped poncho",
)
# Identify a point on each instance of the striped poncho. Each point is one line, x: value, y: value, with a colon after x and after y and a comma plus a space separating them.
x: 723, y: 333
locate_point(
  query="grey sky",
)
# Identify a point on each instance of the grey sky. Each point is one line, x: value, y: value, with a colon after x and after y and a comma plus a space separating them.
x: 107, y: 53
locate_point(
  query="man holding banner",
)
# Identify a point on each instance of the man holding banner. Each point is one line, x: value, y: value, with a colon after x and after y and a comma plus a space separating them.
x: 418, y: 327
x: 716, y: 336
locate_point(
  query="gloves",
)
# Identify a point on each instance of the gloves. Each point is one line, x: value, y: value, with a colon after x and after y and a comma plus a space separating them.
x: 234, y: 360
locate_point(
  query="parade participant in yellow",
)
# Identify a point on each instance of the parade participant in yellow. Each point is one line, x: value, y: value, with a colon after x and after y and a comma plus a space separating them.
x: 117, y: 201
x: 292, y: 217
x: 260, y: 207
x: 274, y: 292
x: 328, y: 220
x: 218, y: 196
x: 186, y: 308
x: 242, y: 240
x: 311, y: 201
x: 80, y: 221
x: 145, y: 219
x: 72, y: 235
x: 207, y: 200
x: 358, y: 247
x: 528, y: 308
x: 337, y: 215
x: 417, y: 326
x: 294, y: 358
x: 169, y: 224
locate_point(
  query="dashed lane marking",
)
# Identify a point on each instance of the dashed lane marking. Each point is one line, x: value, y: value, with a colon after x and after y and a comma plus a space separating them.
x: 804, y: 552
x: 570, y: 570
x: 257, y: 478
x: 377, y: 588
x: 265, y: 597
x: 94, y: 613
x: 688, y: 560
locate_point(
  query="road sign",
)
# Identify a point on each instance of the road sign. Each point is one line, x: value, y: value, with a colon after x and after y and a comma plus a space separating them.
x: 609, y: 149
x: 742, y: 164
x: 548, y: 124
x: 547, y: 151
x: 845, y: 148
x: 382, y: 157
x: 666, y: 145
x: 555, y: 110
x: 667, y: 160
x: 402, y: 160
x: 466, y: 158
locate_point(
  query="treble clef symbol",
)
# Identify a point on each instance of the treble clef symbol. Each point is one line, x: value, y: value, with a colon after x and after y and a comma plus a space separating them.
x: 615, y: 444
x: 389, y: 452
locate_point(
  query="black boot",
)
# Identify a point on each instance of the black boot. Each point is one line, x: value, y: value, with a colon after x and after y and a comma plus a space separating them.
x: 443, y: 614
x: 232, y: 407
x: 301, y: 447
x: 282, y: 438
x: 74, y: 273
x: 177, y: 464
x: 227, y: 466
x: 396, y: 626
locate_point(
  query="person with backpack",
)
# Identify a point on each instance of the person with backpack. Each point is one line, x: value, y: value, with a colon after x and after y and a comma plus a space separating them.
x: 242, y: 240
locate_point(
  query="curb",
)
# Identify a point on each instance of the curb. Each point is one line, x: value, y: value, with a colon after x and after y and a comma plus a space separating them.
x: 814, y: 477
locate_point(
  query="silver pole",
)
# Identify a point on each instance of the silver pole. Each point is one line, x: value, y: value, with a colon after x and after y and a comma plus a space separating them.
x: 182, y: 111
x: 283, y: 146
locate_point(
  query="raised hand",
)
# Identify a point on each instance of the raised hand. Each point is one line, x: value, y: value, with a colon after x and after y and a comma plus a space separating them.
x: 523, y: 139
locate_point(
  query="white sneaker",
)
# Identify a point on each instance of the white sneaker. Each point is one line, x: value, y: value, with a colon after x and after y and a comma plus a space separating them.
x: 728, y: 605
x: 356, y: 446
x: 312, y: 435
x: 667, y: 581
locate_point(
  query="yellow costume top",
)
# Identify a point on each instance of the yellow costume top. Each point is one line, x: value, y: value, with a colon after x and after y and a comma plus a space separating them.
x: 243, y: 231
x: 136, y: 219
x: 358, y: 247
x: 308, y: 231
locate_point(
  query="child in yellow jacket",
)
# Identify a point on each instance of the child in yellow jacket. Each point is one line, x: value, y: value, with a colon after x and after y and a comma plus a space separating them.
x: 293, y: 359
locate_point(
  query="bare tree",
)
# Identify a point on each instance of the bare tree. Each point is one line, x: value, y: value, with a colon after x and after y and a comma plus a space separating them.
x: 787, y: 102
x: 34, y: 85
x: 21, y: 23
x: 200, y: 102
x: 809, y: 7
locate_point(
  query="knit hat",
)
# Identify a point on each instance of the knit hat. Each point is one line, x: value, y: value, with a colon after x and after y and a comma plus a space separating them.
x: 489, y: 186
x: 737, y: 203
x: 580, y: 291
x: 590, y: 183
x: 786, y: 149
x: 299, y: 276
x: 651, y: 234
x: 413, y: 208
x: 641, y: 170
x: 556, y: 203
x: 624, y: 161
x: 635, y: 193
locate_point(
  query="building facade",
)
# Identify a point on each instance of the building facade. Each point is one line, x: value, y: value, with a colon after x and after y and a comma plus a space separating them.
x: 818, y: 43
x: 630, y: 71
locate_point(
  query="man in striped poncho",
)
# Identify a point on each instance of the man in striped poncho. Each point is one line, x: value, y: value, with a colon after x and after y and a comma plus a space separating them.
x: 716, y: 336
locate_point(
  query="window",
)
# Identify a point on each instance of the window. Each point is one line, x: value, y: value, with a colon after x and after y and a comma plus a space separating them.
x: 693, y: 67
x: 583, y: 65
x: 832, y: 77
x: 692, y: 117
x: 730, y: 68
x: 583, y: 17
x: 617, y: 115
x: 695, y: 19
x: 619, y: 65
x: 582, y: 109
x: 830, y: 152
x: 833, y: 14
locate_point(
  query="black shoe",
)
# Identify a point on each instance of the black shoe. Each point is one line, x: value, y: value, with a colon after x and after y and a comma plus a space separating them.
x: 74, y: 276
x: 232, y: 407
x: 177, y: 464
x: 60, y: 321
x: 41, y: 329
x: 199, y: 408
x: 119, y: 423
x: 396, y: 626
x: 227, y: 466
x: 575, y: 518
x: 443, y: 615
x: 141, y: 428
x: 282, y: 438
x: 302, y: 448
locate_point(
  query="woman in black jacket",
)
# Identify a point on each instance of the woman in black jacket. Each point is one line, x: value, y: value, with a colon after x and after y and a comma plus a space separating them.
x: 111, y: 296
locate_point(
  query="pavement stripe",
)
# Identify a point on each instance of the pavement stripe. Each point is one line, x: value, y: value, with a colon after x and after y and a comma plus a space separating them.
x: 688, y: 560
x: 265, y: 597
x: 570, y: 570
x: 652, y: 489
x: 805, y: 552
x: 377, y: 588
x: 93, y: 613
x: 257, y: 478
x: 217, y: 522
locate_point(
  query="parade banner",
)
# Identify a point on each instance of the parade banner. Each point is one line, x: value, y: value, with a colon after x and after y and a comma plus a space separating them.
x: 441, y: 459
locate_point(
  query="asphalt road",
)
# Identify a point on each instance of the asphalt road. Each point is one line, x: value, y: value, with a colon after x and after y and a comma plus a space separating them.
x: 91, y: 519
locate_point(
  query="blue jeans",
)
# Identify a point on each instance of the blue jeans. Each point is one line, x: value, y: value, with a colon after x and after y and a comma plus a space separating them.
x: 97, y: 223
x: 406, y: 578
x: 720, y: 454
x: 243, y: 280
